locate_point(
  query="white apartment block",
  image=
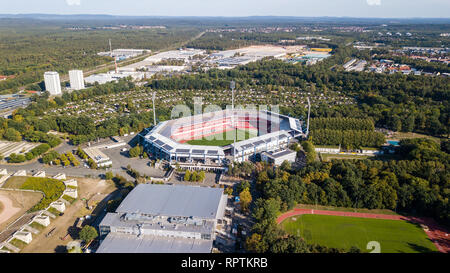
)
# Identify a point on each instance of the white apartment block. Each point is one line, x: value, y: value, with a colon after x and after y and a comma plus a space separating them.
x: 52, y: 82
x: 76, y: 79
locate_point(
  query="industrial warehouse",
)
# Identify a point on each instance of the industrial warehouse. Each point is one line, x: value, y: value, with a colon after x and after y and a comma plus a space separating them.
x: 267, y: 131
x: 164, y: 219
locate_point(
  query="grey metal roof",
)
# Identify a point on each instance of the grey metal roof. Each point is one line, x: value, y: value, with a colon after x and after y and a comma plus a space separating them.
x: 198, y: 151
x: 259, y: 142
x: 152, y: 138
x: 212, y: 152
x: 173, y: 200
x: 182, y: 150
x: 247, y: 146
x: 123, y: 243
x: 159, y: 142
x: 168, y: 147
x: 282, y: 153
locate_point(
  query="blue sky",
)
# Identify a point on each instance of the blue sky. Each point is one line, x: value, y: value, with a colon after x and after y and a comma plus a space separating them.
x: 349, y: 8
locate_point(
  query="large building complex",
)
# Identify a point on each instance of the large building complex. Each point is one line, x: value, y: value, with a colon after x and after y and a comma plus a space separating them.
x: 266, y: 131
x: 76, y: 79
x: 123, y: 54
x: 52, y: 82
x: 164, y: 219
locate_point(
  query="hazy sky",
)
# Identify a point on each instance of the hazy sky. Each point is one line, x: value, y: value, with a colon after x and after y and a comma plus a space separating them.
x: 350, y: 8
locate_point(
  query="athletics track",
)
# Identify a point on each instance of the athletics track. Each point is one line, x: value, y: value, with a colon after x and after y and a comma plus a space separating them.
x: 437, y: 234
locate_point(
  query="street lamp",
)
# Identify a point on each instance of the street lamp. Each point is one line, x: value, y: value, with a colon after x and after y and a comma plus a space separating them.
x: 232, y: 87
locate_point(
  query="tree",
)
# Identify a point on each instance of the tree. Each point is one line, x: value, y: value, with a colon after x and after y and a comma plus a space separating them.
x: 12, y: 134
x: 255, y: 243
x: 246, y: 199
x: 310, y: 151
x: 135, y: 151
x: 286, y: 165
x: 49, y: 157
x: 229, y: 191
x: 187, y: 176
x: 88, y: 234
x: 109, y: 175
x: 244, y: 185
x: 92, y: 164
x: 201, y: 176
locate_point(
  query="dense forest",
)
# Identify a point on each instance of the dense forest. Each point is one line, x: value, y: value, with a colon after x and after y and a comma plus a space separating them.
x: 28, y: 51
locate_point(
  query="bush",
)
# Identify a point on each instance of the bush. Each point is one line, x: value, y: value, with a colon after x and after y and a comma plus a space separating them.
x: 29, y: 156
x: 88, y: 234
x: 135, y: 151
x: 14, y: 158
x: 52, y: 189
x: 69, y: 199
x: 109, y: 175
x: 12, y: 134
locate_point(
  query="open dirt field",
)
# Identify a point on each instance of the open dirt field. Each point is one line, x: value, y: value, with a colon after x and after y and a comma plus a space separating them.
x: 64, y: 225
x: 15, y: 204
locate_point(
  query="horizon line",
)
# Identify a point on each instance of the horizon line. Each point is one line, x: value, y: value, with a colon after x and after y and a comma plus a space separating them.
x: 219, y: 16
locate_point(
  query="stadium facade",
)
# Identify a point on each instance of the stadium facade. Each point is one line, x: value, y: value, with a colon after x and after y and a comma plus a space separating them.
x: 269, y: 131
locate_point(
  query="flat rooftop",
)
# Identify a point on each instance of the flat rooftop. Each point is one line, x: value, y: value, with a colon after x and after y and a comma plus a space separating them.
x: 118, y: 220
x: 96, y: 154
x: 122, y: 243
x: 173, y: 200
x: 281, y: 154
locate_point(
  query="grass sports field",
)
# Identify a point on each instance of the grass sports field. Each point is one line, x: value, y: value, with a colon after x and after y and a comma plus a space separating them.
x: 223, y: 139
x: 344, y: 232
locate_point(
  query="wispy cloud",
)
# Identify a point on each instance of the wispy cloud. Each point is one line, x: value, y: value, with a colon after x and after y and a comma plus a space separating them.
x: 373, y: 2
x: 73, y: 2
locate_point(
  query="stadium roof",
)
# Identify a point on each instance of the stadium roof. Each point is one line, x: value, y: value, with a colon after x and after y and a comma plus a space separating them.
x: 123, y: 243
x: 173, y: 200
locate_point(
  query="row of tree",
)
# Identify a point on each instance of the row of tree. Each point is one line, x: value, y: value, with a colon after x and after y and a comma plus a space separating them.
x: 348, y: 139
x: 342, y: 124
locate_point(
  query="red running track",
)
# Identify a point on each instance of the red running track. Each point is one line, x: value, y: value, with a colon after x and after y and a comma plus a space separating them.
x: 437, y: 234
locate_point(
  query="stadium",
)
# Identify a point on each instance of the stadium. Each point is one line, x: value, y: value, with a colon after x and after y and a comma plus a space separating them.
x: 212, y: 137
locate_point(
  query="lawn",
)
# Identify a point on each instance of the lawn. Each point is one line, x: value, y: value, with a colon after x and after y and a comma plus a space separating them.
x: 401, y: 135
x: 37, y: 226
x: 15, y: 182
x: 344, y: 232
x: 223, y: 139
x: 328, y: 157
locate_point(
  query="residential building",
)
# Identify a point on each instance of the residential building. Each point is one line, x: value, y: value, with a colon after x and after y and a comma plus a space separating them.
x: 52, y: 82
x: 76, y: 79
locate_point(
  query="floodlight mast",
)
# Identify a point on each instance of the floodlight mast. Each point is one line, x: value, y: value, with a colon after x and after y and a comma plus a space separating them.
x: 154, y: 112
x: 309, y: 113
x: 232, y: 87
x: 110, y: 48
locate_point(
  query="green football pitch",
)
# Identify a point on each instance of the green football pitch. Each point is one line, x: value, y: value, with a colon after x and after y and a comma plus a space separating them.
x: 344, y: 232
x: 223, y: 139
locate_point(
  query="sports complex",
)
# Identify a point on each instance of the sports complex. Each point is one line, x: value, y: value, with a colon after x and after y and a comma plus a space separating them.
x: 214, y: 136
x: 343, y: 229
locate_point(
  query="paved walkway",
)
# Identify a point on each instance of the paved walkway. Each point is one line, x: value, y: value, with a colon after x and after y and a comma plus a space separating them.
x: 437, y: 234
